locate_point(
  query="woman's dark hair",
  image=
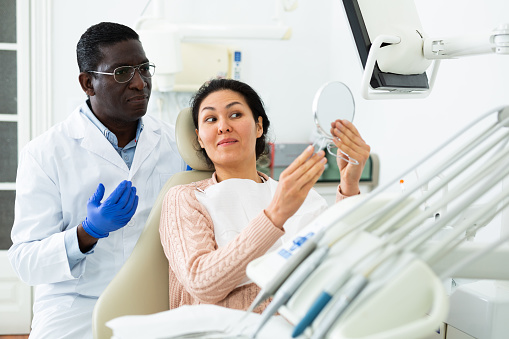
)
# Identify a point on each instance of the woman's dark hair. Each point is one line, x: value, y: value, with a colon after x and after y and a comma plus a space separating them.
x: 252, y: 98
x: 100, y: 35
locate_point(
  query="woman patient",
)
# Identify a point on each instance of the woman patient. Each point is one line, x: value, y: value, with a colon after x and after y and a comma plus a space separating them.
x: 211, y: 229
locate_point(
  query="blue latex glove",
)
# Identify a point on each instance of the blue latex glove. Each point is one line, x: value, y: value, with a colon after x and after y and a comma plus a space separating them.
x: 114, y: 213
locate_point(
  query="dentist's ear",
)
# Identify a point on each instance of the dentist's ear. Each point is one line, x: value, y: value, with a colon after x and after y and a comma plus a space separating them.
x: 86, y: 83
x: 199, y: 139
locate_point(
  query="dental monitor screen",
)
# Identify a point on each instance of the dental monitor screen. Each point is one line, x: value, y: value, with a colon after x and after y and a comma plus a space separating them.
x: 379, y: 80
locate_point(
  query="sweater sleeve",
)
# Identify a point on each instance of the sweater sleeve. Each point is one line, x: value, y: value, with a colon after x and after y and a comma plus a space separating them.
x: 208, y: 273
x: 340, y: 196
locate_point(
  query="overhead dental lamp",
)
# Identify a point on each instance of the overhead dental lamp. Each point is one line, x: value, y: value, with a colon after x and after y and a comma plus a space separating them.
x: 162, y: 39
x: 396, y: 53
x: 163, y: 45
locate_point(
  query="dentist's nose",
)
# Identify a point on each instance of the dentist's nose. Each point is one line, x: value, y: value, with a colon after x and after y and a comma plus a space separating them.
x: 137, y: 81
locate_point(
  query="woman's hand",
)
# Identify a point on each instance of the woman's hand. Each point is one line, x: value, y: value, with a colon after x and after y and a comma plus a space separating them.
x: 348, y: 139
x: 294, y: 185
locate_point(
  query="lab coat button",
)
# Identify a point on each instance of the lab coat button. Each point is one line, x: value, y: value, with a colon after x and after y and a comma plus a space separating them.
x: 130, y: 223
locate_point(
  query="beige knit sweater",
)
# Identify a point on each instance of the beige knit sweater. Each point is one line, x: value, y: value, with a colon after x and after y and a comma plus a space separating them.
x: 199, y: 271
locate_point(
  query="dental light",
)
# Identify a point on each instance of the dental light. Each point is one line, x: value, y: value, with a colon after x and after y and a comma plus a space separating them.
x: 161, y: 38
x: 396, y: 53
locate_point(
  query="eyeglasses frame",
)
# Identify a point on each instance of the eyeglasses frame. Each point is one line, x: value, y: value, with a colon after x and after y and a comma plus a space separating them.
x: 137, y: 67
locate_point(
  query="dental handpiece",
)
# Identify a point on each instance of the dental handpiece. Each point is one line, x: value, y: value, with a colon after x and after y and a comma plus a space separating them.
x: 307, y: 247
x: 289, y: 287
x: 334, y: 285
x: 355, y: 286
x: 272, y: 286
x: 320, y: 302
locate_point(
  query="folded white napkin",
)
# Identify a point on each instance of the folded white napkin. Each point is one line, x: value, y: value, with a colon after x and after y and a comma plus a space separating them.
x: 194, y: 318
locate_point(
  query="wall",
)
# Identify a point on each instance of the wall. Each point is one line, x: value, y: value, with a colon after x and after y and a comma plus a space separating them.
x: 287, y: 73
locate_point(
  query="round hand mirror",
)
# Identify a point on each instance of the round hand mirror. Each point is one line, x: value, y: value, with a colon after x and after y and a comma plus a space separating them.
x: 333, y: 101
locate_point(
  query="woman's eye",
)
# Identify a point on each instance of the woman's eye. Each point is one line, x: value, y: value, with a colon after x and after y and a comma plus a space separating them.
x: 211, y: 119
x: 236, y: 115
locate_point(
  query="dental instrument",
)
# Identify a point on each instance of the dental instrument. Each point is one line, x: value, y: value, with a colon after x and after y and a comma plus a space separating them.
x: 327, y: 294
x: 294, y: 261
x: 403, y: 236
x: 291, y: 284
x: 356, y: 285
x: 476, y: 255
x: 306, y: 246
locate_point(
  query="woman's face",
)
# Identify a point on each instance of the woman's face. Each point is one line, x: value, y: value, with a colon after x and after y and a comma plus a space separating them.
x: 227, y: 130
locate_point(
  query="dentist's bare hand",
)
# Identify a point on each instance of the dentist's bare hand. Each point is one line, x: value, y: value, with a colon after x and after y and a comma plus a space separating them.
x: 294, y: 185
x: 348, y: 139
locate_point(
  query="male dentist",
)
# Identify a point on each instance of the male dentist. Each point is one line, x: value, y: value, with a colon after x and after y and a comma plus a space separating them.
x: 84, y: 188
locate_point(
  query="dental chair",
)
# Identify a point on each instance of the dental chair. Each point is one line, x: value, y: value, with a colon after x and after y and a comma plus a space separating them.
x: 141, y: 285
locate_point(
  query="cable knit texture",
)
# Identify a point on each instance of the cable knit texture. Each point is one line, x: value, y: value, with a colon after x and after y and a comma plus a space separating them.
x: 199, y: 271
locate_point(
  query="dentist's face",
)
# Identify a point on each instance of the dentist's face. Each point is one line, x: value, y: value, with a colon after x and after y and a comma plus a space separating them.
x: 227, y: 129
x: 120, y: 103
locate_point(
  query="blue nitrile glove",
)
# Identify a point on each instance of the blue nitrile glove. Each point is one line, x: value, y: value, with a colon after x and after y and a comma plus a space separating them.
x: 114, y: 213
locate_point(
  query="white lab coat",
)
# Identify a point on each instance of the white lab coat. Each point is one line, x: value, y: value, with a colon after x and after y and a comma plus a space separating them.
x: 57, y: 173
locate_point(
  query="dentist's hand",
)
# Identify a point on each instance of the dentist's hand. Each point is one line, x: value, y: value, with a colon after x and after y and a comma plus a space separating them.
x: 114, y: 213
x: 294, y: 185
x: 348, y: 139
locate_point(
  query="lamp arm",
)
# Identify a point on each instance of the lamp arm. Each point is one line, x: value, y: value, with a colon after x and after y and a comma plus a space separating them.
x: 496, y: 41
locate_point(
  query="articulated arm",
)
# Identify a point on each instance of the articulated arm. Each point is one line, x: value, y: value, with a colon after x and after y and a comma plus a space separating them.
x: 496, y: 41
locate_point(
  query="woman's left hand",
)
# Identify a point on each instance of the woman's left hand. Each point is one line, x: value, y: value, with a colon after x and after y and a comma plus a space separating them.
x: 348, y: 139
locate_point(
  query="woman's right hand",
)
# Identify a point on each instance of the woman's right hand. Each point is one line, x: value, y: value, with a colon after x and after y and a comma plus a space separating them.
x: 294, y: 185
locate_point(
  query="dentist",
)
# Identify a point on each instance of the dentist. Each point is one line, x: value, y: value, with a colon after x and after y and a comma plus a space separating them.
x: 84, y: 188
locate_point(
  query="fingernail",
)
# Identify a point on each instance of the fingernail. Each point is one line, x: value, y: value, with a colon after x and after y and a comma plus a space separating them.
x: 309, y: 148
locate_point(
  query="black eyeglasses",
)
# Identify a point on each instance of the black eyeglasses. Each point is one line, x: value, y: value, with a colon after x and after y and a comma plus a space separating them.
x: 124, y: 74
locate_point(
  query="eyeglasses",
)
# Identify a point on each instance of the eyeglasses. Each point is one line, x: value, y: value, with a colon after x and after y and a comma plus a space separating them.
x: 124, y: 74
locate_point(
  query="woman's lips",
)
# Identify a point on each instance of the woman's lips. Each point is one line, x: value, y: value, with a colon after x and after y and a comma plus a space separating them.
x: 226, y: 142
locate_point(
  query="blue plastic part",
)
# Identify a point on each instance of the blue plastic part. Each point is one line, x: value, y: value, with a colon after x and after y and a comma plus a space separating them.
x: 312, y: 313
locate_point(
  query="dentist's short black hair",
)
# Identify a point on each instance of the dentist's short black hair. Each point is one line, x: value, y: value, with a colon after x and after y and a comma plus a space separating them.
x: 252, y: 98
x: 88, y: 49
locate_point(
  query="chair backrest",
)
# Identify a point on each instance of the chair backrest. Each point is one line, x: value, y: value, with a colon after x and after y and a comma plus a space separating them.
x: 141, y: 285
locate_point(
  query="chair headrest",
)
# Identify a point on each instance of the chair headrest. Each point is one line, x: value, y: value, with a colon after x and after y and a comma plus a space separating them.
x: 187, y: 142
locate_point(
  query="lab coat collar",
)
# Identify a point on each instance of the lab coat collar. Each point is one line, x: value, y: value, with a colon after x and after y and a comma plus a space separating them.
x: 80, y: 127
x: 112, y: 138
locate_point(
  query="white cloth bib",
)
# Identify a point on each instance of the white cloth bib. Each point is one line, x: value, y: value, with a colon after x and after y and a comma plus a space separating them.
x: 233, y: 203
